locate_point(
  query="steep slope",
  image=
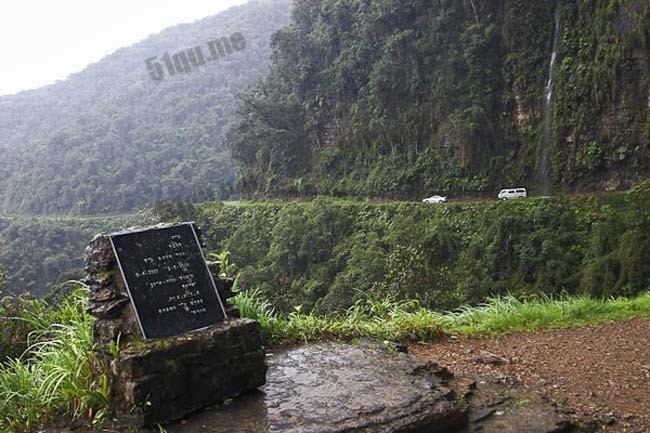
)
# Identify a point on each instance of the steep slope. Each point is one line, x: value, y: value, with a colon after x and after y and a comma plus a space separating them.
x: 400, y: 99
x: 325, y: 254
x: 39, y: 253
x: 111, y: 138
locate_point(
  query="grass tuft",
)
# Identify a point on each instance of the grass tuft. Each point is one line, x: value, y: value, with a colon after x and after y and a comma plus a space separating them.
x: 407, y: 321
x: 507, y: 314
x: 58, y: 374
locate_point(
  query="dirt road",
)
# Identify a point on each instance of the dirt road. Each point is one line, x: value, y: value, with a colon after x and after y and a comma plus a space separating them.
x: 600, y: 372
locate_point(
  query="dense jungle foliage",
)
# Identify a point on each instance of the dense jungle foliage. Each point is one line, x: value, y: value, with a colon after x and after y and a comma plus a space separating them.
x: 110, y: 138
x: 38, y: 253
x: 404, y: 98
x: 325, y: 254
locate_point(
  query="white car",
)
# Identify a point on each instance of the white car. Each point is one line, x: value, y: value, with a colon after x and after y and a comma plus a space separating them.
x: 435, y: 199
x: 512, y: 193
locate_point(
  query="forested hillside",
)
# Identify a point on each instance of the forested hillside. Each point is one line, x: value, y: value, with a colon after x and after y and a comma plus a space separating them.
x: 111, y: 138
x: 404, y: 98
x: 37, y: 253
x: 325, y: 254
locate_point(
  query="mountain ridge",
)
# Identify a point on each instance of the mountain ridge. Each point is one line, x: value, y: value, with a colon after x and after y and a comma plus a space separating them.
x: 110, y: 139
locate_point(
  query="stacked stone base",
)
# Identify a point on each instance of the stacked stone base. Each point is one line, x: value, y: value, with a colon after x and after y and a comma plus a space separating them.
x: 163, y: 380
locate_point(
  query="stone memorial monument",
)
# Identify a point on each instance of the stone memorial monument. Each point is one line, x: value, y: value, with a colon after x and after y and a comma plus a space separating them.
x: 163, y: 326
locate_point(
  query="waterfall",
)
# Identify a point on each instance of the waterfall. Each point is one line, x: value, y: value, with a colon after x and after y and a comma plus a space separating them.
x: 548, y: 105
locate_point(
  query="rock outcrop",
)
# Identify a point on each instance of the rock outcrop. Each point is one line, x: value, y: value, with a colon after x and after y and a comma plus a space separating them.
x: 334, y: 388
x: 337, y: 388
x: 331, y: 388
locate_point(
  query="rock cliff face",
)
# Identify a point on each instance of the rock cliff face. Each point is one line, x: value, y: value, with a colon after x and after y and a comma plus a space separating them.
x: 400, y: 99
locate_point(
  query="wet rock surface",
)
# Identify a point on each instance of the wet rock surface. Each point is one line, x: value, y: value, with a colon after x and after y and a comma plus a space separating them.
x: 334, y: 388
x: 331, y: 388
x: 499, y: 408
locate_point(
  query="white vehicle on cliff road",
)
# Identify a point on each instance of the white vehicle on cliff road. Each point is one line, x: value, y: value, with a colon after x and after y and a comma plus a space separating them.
x: 435, y: 199
x: 512, y: 193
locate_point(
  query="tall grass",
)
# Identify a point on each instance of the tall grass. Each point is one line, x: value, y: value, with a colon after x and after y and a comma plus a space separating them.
x: 16, y: 323
x: 407, y: 321
x: 507, y: 314
x: 385, y: 318
x: 58, y: 374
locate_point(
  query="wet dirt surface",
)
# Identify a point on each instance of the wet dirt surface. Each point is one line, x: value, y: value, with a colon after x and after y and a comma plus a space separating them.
x: 599, y: 372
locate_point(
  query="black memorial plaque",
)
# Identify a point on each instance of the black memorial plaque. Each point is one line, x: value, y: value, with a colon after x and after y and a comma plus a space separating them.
x: 168, y: 280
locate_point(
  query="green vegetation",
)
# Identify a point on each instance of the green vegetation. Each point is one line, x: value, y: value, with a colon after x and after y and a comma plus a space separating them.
x: 110, y: 139
x: 58, y: 374
x: 601, y: 125
x: 15, y: 325
x: 323, y: 254
x: 508, y: 314
x: 387, y: 319
x: 39, y: 253
x: 402, y: 99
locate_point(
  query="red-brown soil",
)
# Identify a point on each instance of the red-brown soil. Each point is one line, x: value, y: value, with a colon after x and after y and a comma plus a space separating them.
x: 600, y: 372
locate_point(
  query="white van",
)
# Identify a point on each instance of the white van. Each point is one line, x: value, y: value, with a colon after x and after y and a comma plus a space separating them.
x: 511, y: 193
